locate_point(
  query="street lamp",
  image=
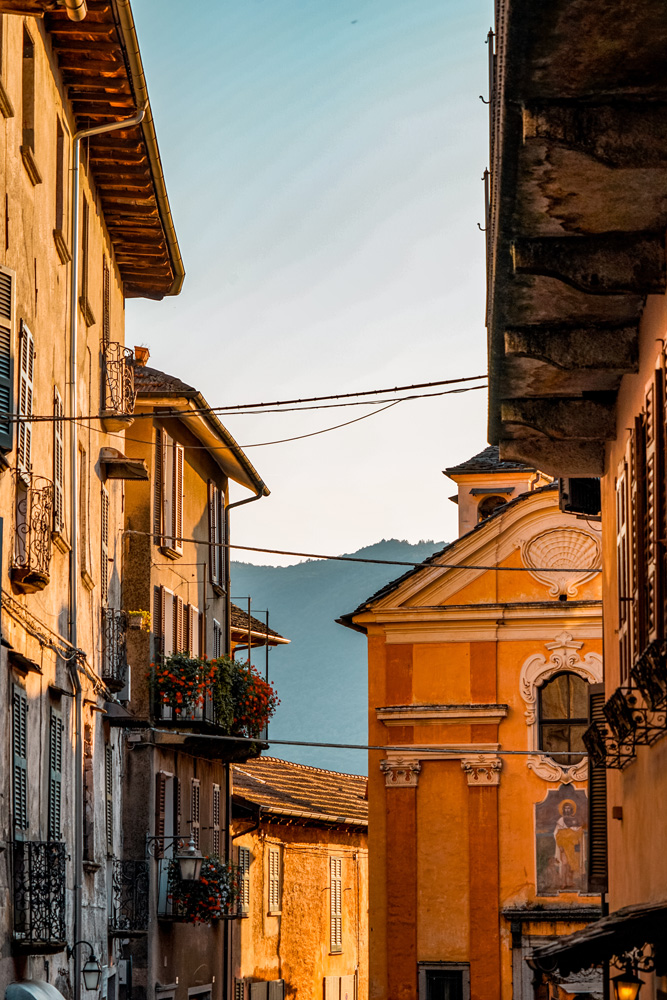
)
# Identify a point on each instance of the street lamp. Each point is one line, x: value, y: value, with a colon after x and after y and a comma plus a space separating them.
x: 627, y: 985
x: 92, y: 970
x: 189, y: 863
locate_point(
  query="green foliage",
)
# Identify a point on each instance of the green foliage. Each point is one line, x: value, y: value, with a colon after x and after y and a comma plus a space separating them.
x: 213, y: 896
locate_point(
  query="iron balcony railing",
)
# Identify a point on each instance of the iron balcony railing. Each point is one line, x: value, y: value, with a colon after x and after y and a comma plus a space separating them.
x: 39, y: 896
x: 119, y: 390
x: 213, y: 897
x: 31, y: 559
x: 114, y: 648
x: 128, y: 898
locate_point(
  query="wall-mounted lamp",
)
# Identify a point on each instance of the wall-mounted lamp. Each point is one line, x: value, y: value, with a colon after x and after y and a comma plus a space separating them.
x: 189, y: 859
x: 92, y: 970
x: 627, y: 985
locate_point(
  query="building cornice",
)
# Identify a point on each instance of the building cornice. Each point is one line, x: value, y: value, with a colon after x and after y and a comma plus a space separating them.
x: 420, y: 715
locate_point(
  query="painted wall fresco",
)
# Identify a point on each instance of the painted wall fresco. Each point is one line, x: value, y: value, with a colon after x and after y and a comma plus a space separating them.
x: 561, y: 841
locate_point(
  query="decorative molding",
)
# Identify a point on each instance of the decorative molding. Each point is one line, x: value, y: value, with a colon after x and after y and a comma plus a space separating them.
x: 30, y: 164
x: 561, y: 547
x: 400, y: 773
x: 61, y: 246
x: 429, y: 715
x: 440, y: 751
x: 482, y: 770
x: 6, y: 106
x: 536, y: 670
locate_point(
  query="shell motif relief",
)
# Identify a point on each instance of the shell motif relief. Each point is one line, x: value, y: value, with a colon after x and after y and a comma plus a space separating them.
x: 566, y: 548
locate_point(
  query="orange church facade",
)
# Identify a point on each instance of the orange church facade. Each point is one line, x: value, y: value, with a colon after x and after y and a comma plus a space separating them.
x: 480, y: 667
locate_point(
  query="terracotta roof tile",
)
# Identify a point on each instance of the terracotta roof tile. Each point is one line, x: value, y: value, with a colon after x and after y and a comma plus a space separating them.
x: 488, y: 461
x: 149, y: 380
x: 240, y: 623
x: 288, y: 789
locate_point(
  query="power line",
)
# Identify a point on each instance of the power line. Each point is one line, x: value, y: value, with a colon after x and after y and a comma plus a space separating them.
x: 431, y: 564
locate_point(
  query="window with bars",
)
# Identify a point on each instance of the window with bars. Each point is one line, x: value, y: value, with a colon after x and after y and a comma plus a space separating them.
x: 7, y: 308
x: 274, y: 880
x: 168, y: 494
x: 336, y: 903
x: 195, y: 815
x: 20, y: 762
x: 244, y: 880
x: 215, y: 819
x: 55, y: 774
x: 58, y: 463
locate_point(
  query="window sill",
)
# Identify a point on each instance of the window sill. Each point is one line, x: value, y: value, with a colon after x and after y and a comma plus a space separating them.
x: 88, y: 314
x: 274, y: 913
x: 218, y: 590
x: 87, y: 580
x: 170, y: 553
x: 6, y: 106
x: 30, y: 164
x: 60, y: 542
x: 336, y: 951
x: 61, y: 246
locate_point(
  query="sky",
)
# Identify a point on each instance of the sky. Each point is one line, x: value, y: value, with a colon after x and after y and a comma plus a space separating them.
x: 323, y: 161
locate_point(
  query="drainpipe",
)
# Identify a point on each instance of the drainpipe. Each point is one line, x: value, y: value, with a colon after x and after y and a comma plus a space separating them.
x: 227, y: 988
x: 74, y: 551
x: 76, y: 9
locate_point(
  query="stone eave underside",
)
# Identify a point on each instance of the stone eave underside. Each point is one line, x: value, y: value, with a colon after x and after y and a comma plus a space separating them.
x: 99, y: 86
x: 577, y: 222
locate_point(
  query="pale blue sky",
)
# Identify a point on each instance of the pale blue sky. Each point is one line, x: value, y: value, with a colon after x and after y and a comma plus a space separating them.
x: 324, y: 178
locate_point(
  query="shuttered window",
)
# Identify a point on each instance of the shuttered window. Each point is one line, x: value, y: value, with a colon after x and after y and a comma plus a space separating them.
x: 7, y: 292
x: 178, y: 498
x: 58, y: 463
x: 177, y: 806
x: 83, y: 511
x: 106, y: 303
x: 158, y: 489
x: 160, y: 811
x: 26, y: 376
x: 195, y: 821
x: 108, y: 796
x: 55, y: 774
x: 276, y: 989
x: 274, y: 885
x: 244, y: 880
x: 216, y: 528
x: 623, y: 581
x: 169, y: 494
x: 217, y: 639
x: 597, y: 802
x: 336, y: 903
x: 104, y: 554
x: 637, y: 497
x: 239, y: 989
x: 215, y: 819
x: 20, y: 762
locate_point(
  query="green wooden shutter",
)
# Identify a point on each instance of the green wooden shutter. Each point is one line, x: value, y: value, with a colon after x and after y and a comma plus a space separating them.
x: 108, y: 795
x: 7, y: 295
x: 20, y: 761
x: 55, y: 774
x: 597, y: 802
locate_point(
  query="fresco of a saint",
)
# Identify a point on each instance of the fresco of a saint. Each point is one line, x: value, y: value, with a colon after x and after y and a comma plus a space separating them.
x: 561, y: 836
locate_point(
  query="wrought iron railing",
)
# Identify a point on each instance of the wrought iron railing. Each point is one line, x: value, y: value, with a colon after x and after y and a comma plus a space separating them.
x: 39, y: 896
x: 114, y: 648
x: 128, y: 898
x: 119, y: 391
x: 31, y: 559
x: 213, y: 897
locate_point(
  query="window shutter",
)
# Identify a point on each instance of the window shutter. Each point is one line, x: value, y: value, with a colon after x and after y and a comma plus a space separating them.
x: 178, y: 498
x: 276, y: 989
x: 160, y: 810
x: 7, y: 296
x: 623, y: 570
x: 193, y: 625
x: 239, y: 989
x: 222, y: 551
x: 26, y: 372
x: 179, y: 617
x: 244, y: 879
x: 55, y: 775
x: 194, y: 811
x: 108, y: 795
x: 259, y: 991
x: 20, y: 762
x: 274, y: 879
x: 651, y: 506
x: 213, y: 533
x: 104, y: 554
x: 158, y: 478
x: 336, y: 896
x: 216, y: 820
x: 83, y: 510
x: 177, y: 806
x: 158, y: 621
x: 217, y: 639
x: 168, y: 621
x: 332, y: 988
x: 201, y: 625
x: 638, y: 462
x: 167, y: 491
x: 597, y: 802
x: 106, y: 303
x: 58, y: 463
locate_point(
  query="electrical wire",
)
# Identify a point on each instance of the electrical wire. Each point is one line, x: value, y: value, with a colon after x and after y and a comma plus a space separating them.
x: 431, y: 564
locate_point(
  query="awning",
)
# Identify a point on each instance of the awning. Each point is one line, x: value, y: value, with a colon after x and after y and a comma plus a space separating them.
x: 611, y: 937
x: 32, y: 989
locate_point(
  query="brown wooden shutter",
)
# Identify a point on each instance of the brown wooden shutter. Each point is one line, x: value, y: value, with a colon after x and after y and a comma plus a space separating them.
x: 58, y: 463
x: 160, y: 810
x: 201, y: 625
x: 244, y: 879
x: 179, y: 616
x: 158, y: 477
x: 108, y: 796
x: 195, y: 821
x: 213, y: 533
x: 106, y: 303
x: 651, y: 511
x: 637, y: 462
x: 158, y: 622
x: 597, y: 802
x: 177, y: 806
x: 104, y: 554
x: 222, y: 539
x: 660, y: 500
x: 215, y: 819
x: 178, y: 498
x: 623, y: 570
x: 336, y: 902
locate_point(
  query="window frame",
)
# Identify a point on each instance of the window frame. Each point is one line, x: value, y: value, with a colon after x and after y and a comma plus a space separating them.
x: 274, y: 850
x: 425, y: 967
x: 568, y: 721
x: 335, y: 904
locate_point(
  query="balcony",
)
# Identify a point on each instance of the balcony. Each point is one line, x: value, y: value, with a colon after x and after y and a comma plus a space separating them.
x: 114, y: 652
x: 214, y: 897
x: 31, y: 560
x: 39, y: 897
x: 118, y: 387
x: 128, y: 898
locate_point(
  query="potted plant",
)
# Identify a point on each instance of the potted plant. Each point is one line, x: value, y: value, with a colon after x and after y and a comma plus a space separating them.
x: 212, y: 896
x: 140, y: 620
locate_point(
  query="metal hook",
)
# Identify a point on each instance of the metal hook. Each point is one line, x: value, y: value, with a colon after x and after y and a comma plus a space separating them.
x: 483, y: 101
x: 482, y: 230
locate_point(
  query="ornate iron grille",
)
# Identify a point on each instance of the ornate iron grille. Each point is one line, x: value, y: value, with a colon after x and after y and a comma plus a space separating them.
x: 114, y: 650
x: 650, y: 675
x: 31, y: 560
x: 39, y: 896
x: 128, y: 903
x: 119, y: 391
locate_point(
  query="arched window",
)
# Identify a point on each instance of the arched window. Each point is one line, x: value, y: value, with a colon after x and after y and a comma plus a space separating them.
x: 488, y: 505
x: 563, y: 717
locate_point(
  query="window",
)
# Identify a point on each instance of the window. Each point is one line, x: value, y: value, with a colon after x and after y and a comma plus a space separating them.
x: 84, y: 559
x: 6, y: 108
x: 216, y: 531
x: 335, y: 903
x: 106, y: 303
x: 60, y: 228
x: 563, y: 714
x: 20, y: 762
x: 108, y: 796
x: 58, y: 463
x: 104, y: 554
x: 339, y: 987
x: 84, y: 298
x: 26, y: 374
x: 444, y: 981
x: 244, y: 880
x: 217, y: 639
x: 274, y: 880
x: 55, y: 774
x: 7, y: 286
x: 28, y: 109
x: 195, y: 826
x: 168, y: 496
x: 215, y: 820
x: 488, y: 505
x: 239, y: 989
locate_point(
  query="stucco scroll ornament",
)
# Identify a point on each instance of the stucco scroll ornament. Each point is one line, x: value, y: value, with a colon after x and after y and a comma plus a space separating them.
x: 482, y: 769
x: 560, y: 549
x: 400, y: 773
x: 536, y: 671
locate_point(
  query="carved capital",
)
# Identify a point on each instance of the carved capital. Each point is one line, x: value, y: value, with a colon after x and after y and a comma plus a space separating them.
x: 400, y: 773
x: 482, y: 769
